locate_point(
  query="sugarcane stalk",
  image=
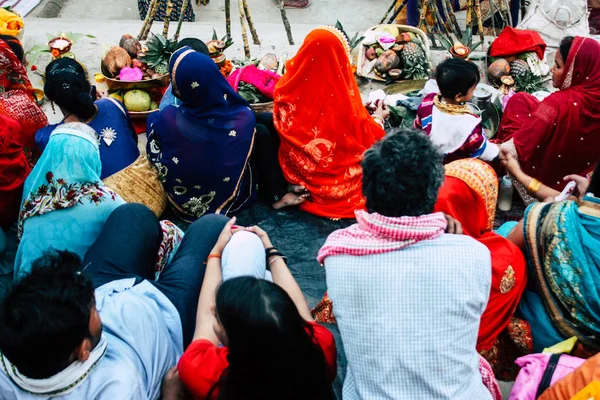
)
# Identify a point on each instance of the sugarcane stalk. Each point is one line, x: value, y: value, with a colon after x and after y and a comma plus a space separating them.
x: 228, y: 18
x: 286, y: 23
x: 450, y: 17
x: 479, y: 19
x: 147, y: 18
x: 255, y: 38
x: 244, y: 31
x: 469, y: 17
x: 424, y: 25
x: 398, y: 11
x: 150, y: 14
x: 493, y: 14
x: 437, y: 20
x: 167, y: 19
x: 184, y: 7
x: 389, y: 10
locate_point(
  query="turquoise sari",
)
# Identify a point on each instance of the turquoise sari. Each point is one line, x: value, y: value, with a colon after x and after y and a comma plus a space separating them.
x: 563, y: 247
x: 65, y: 204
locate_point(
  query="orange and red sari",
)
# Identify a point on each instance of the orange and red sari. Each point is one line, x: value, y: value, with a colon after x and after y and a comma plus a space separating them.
x: 469, y: 195
x: 323, y: 125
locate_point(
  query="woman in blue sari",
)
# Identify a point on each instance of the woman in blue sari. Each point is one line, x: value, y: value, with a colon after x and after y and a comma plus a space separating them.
x: 562, y: 243
x: 202, y: 149
x: 65, y: 204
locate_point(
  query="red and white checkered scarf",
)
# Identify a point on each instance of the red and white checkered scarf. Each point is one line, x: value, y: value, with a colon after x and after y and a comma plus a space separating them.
x: 376, y: 234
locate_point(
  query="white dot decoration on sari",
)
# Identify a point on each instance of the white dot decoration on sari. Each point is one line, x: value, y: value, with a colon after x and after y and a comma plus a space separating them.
x: 175, y: 160
x: 233, y: 133
x: 195, y: 85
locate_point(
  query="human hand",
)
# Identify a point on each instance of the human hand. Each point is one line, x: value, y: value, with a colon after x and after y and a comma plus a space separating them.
x: 509, y: 161
x: 226, y: 234
x: 172, y: 387
x: 264, y: 237
x: 381, y: 109
x: 582, y: 185
x: 454, y: 227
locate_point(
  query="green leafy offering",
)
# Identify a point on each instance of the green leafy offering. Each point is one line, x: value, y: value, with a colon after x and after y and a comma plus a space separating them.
x: 251, y: 94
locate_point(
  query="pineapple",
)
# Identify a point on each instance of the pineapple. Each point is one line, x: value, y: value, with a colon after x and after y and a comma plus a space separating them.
x: 158, y: 53
x: 414, y: 61
x: 519, y: 68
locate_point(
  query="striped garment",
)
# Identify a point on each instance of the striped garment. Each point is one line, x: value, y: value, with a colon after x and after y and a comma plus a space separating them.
x: 456, y: 135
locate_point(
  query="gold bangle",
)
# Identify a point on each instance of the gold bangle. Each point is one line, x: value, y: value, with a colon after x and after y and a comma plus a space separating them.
x: 534, y: 186
x: 379, y: 119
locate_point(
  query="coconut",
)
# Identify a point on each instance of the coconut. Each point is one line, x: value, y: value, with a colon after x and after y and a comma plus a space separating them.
x: 387, y: 61
x: 116, y: 59
x: 498, y: 69
x: 131, y: 45
x: 137, y: 100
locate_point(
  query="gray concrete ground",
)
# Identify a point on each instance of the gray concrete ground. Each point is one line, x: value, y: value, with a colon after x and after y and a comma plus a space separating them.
x: 354, y: 14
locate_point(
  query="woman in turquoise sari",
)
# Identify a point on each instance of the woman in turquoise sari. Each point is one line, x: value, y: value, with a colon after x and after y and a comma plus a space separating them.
x: 64, y: 203
x: 562, y: 243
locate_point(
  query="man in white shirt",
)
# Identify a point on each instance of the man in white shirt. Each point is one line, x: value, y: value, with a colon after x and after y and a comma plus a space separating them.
x: 110, y: 331
x: 408, y: 297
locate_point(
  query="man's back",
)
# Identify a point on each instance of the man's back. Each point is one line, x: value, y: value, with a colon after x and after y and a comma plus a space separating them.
x: 409, y: 319
x: 143, y: 332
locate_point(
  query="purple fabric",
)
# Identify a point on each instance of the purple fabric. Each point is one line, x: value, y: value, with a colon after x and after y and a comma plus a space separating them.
x: 533, y: 367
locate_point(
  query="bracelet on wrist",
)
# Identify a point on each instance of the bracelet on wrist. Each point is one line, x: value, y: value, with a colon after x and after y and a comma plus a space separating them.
x: 534, y: 186
x: 213, y: 255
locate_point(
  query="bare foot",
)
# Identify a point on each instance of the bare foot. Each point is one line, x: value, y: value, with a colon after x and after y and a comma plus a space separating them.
x: 290, y: 200
x: 297, y: 189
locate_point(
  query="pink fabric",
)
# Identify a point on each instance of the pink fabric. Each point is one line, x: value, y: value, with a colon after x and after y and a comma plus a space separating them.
x: 533, y: 367
x: 376, y: 234
x: 264, y: 81
x: 488, y: 378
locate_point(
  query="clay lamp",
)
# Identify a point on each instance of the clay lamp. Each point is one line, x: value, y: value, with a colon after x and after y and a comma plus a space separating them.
x: 59, y: 46
x: 459, y: 50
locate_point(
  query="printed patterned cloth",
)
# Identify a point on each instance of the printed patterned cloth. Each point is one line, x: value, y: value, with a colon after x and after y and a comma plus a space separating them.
x: 172, y: 237
x: 454, y: 130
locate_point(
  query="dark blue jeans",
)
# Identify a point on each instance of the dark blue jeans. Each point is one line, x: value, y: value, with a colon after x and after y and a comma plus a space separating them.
x: 128, y: 245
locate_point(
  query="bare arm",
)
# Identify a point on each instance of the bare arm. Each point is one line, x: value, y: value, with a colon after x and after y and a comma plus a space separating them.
x: 512, y: 166
x: 205, y: 317
x: 283, y: 277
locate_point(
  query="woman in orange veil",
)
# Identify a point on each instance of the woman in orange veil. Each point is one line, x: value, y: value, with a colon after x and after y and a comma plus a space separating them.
x: 323, y: 125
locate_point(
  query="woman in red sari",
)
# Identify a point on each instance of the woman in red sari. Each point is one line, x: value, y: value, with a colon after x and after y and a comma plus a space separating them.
x: 16, y: 93
x: 323, y: 125
x: 14, y: 168
x: 560, y: 135
x: 469, y: 195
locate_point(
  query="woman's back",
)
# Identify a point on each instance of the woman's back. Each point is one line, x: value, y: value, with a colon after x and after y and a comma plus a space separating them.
x: 118, y: 141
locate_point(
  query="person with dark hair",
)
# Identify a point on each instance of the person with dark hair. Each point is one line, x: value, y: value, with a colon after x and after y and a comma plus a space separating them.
x: 408, y: 298
x: 272, y: 348
x: 67, y: 86
x: 197, y: 45
x: 106, y: 327
x: 561, y: 134
x: 451, y: 125
x: 560, y: 242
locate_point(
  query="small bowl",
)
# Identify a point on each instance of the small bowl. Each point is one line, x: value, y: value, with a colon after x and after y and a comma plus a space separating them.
x: 40, y: 97
x: 460, y: 56
x: 61, y: 50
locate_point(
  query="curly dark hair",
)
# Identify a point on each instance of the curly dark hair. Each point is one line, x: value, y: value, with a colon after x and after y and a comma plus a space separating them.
x: 402, y: 174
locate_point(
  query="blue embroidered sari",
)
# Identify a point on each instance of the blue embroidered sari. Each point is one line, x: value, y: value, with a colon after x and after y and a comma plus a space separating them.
x: 563, y: 248
x: 64, y: 203
x: 201, y: 149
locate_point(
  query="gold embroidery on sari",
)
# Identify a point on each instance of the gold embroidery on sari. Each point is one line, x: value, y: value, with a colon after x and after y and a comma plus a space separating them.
x: 508, y: 280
